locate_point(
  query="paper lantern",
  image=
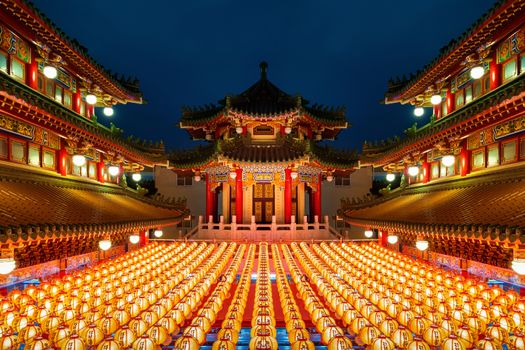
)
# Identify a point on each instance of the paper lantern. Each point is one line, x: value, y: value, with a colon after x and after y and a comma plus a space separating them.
x: 488, y: 343
x: 263, y: 343
x: 38, y: 343
x: 228, y: 334
x: 382, y: 343
x: 158, y: 334
x: 517, y: 341
x: 125, y: 336
x: 340, y: 342
x: 417, y: 344
x: 145, y: 343
x: 434, y: 335
x: 302, y: 345
x: 73, y: 343
x: 92, y: 335
x: 223, y: 345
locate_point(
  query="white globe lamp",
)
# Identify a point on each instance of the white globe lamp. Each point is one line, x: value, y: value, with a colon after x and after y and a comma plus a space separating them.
x: 158, y: 233
x: 419, y: 111
x: 108, y: 111
x: 390, y: 177
x: 448, y: 160
x: 392, y: 239
x: 369, y: 233
x: 7, y: 265
x: 91, y: 99
x: 79, y: 160
x: 422, y: 245
x: 134, y: 238
x: 113, y: 170
x: 435, y: 99
x: 136, y: 177
x: 50, y: 72
x: 518, y: 265
x: 104, y: 244
x: 413, y: 170
x: 477, y: 72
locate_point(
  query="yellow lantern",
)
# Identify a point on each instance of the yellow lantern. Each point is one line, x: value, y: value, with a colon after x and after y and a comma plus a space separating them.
x: 454, y: 343
x: 488, y: 343
x: 28, y: 333
x: 108, y: 344
x: 497, y: 333
x: 197, y: 333
x: 303, y: 345
x: 8, y: 341
x: 228, y: 334
x: 402, y: 337
x: 434, y: 335
x: 259, y: 342
x: 144, y: 342
x: 158, y: 334
x: 92, y: 335
x: 382, y: 343
x: 418, y: 324
x: 73, y: 343
x: 340, y: 342
x: 223, y: 345
x: 388, y: 326
x: 186, y: 343
x: 368, y: 334
x: 38, y: 343
x: 467, y: 335
x: 417, y: 344
x: 297, y: 334
x: 517, y: 341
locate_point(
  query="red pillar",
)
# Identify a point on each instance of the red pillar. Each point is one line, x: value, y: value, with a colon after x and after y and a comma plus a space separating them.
x: 62, y: 160
x: 407, y: 176
x: 317, y: 199
x: 209, y: 198
x: 426, y: 172
x: 382, y: 238
x: 100, y: 171
x: 120, y: 173
x: 437, y: 111
x: 77, y: 100
x: 281, y: 130
x: 311, y: 202
x: 238, y: 196
x: 287, y: 196
x: 215, y: 204
x: 495, y: 74
x: 32, y: 72
x: 451, y: 101
x: 143, y: 238
x: 465, y: 160
x: 90, y: 110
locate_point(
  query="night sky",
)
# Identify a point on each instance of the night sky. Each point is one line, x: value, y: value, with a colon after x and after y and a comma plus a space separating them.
x: 338, y: 53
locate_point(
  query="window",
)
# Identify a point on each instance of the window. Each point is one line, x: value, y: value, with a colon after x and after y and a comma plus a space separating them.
x: 477, y: 89
x: 522, y: 64
x: 508, y: 151
x: 58, y: 93
x: 468, y: 94
x: 459, y: 99
x: 522, y: 148
x: 93, y: 170
x: 4, y: 149
x: 342, y: 180
x: 82, y: 108
x: 67, y: 99
x: 509, y: 69
x: 41, y: 83
x: 493, y: 155
x: 478, y: 158
x: 3, y: 61
x: 48, y: 159
x: 184, y: 180
x: 18, y: 69
x: 434, y: 170
x: 34, y: 155
x: 50, y: 88
x: 444, y: 109
x: 18, y: 151
x: 486, y: 83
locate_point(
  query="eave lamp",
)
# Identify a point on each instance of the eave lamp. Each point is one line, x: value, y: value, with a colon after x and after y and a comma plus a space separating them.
x: 238, y: 129
x: 79, y: 160
x: 136, y: 177
x: 287, y: 130
x: 413, y: 170
x: 369, y: 233
x: 392, y: 239
x: 390, y: 177
x: 294, y: 175
x: 518, y: 265
x: 91, y: 99
x: 197, y: 176
x: 435, y: 99
x: 108, y: 111
x: 50, y: 72
x: 233, y: 174
x: 113, y: 170
x: 134, y: 238
x: 158, y: 233
x: 329, y: 177
x: 419, y: 111
x: 477, y: 72
x: 422, y: 244
x: 448, y: 160
x: 7, y: 265
x: 104, y: 244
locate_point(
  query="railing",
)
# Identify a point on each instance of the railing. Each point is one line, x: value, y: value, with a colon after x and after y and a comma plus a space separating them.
x: 263, y: 232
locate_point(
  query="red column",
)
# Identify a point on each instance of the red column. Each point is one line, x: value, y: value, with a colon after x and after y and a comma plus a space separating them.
x: 407, y: 176
x: 77, y: 99
x: 312, y: 210
x: 382, y: 238
x: 281, y: 130
x: 120, y: 173
x: 426, y: 172
x: 437, y: 111
x: 32, y: 72
x: 465, y: 160
x: 143, y: 238
x: 317, y: 199
x: 451, y: 100
x: 215, y: 204
x: 209, y: 198
x: 100, y: 171
x: 287, y: 196
x: 62, y: 159
x: 495, y: 74
x: 90, y: 110
x: 238, y: 196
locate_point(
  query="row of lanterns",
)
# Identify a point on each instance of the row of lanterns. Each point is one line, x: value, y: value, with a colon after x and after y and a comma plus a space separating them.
x: 413, y: 170
x: 228, y: 335
x: 298, y: 335
x: 113, y: 170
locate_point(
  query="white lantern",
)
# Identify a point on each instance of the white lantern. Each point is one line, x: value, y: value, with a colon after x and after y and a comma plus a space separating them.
x: 413, y: 170
x: 113, y: 170
x: 158, y: 233
x: 294, y: 175
x: 50, y: 72
x: 238, y: 130
x: 448, y: 160
x: 435, y: 99
x: 136, y: 177
x: 369, y: 233
x: 287, y: 130
x: 419, y: 111
x: 79, y: 160
x: 329, y: 178
x: 108, y: 111
x: 390, y: 177
x: 518, y: 265
x: 197, y: 177
x: 104, y: 244
x: 7, y: 265
x: 91, y: 99
x: 134, y: 238
x: 422, y: 244
x: 318, y: 137
x: 233, y: 174
x: 477, y: 72
x: 392, y: 239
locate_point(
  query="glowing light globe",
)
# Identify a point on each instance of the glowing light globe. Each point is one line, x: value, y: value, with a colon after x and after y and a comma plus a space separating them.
x: 158, y: 233
x: 136, y: 177
x: 390, y: 177
x: 104, y: 244
x: 422, y: 245
x: 419, y: 111
x: 197, y: 178
x: 329, y: 178
x: 50, y: 72
x: 518, y: 265
x: 392, y: 239
x: 238, y: 130
x: 113, y: 170
x: 448, y: 160
x: 108, y: 111
x: 134, y: 239
x: 477, y: 72
x: 369, y: 233
x: 7, y: 265
x: 435, y: 99
x: 79, y: 160
x: 91, y: 99
x: 287, y: 130
x: 233, y: 174
x: 413, y: 170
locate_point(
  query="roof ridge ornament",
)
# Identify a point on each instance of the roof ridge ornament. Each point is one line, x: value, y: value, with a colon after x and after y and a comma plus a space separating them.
x: 264, y: 67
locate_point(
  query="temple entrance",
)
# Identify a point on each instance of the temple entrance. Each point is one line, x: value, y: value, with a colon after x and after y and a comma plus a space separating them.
x: 263, y: 202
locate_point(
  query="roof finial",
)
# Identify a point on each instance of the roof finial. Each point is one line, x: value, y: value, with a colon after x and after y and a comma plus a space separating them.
x: 264, y: 66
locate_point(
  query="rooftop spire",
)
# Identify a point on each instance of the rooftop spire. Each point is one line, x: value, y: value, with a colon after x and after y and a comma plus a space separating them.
x: 264, y: 66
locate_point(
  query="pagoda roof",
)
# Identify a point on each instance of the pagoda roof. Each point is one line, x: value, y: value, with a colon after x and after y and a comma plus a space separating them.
x: 262, y: 100
x: 478, y: 206
x: 37, y: 205
x: 482, y: 33
x: 41, y: 30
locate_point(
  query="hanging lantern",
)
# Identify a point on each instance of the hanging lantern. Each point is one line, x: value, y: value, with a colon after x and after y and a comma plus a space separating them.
x: 419, y: 111
x: 477, y: 72
x: 435, y: 99
x: 158, y: 233
x: 108, y: 111
x: 136, y: 177
x: 422, y: 245
x: 518, y: 265
x: 104, y: 244
x: 91, y: 99
x: 382, y: 343
x: 413, y: 170
x: 392, y: 239
x: 294, y: 175
x: 50, y: 72
x: 390, y: 177
x: 134, y: 238
x: 79, y: 160
x: 233, y: 174
x: 239, y: 130
x: 197, y: 177
x: 113, y: 170
x: 7, y: 265
x: 287, y: 130
x: 369, y: 233
x: 448, y: 160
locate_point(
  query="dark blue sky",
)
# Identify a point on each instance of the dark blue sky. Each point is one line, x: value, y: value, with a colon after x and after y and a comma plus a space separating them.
x: 331, y: 52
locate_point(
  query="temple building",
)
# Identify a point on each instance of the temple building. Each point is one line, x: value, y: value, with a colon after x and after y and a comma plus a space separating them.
x: 463, y: 173
x: 264, y: 161
x: 89, y: 259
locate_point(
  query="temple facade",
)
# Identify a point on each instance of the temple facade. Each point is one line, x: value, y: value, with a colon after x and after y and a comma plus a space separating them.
x: 264, y: 161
